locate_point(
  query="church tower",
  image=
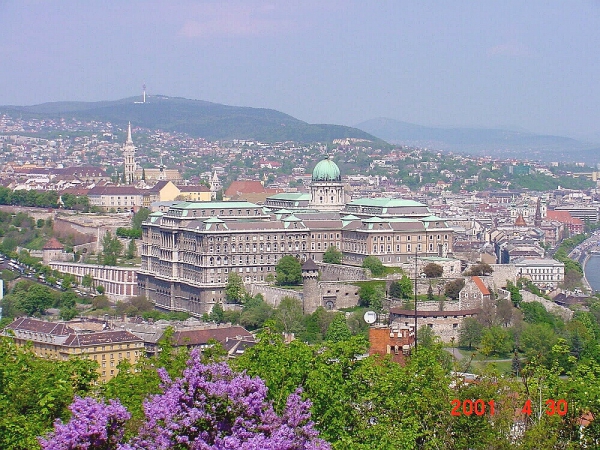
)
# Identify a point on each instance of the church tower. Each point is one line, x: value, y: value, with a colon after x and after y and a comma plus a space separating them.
x: 129, y: 158
x: 215, y: 186
x: 327, y: 189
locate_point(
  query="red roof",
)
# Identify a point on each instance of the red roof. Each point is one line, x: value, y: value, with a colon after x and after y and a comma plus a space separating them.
x: 53, y: 244
x: 484, y: 290
x: 563, y: 217
x: 245, y: 187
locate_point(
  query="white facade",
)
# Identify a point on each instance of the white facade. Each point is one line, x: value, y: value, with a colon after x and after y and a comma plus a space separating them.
x: 544, y: 273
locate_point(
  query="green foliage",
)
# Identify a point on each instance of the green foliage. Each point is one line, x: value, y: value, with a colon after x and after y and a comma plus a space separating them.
x: 289, y: 316
x: 515, y: 295
x: 235, y: 291
x: 332, y: 255
x: 452, y: 289
x: 131, y: 233
x: 479, y: 269
x: 255, y: 313
x: 402, y: 288
x: 138, y: 218
x: 371, y: 294
x: 216, y: 314
x: 289, y: 271
x: 433, y: 270
x: 534, y: 312
x: 338, y: 329
x: 496, y: 341
x: 35, y: 391
x: 111, y: 249
x: 375, y: 265
x: 470, y: 333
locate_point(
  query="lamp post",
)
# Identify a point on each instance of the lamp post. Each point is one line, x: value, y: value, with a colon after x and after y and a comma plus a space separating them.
x: 415, y: 299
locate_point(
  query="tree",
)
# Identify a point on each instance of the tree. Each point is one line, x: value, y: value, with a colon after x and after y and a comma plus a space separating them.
x: 87, y: 281
x: 470, y: 333
x: 234, y: 290
x: 480, y: 269
x: 216, y: 313
x: 289, y: 271
x: 100, y: 289
x: 430, y: 292
x: 453, y: 288
x: 111, y: 249
x: 402, y: 288
x: 256, y: 312
x: 131, y: 250
x: 371, y: 295
x: 288, y: 315
x: 515, y: 295
x: 338, y: 329
x: 100, y: 302
x: 139, y: 217
x: 495, y: 341
x: 375, y: 265
x: 332, y: 255
x: 433, y: 270
x: 229, y: 410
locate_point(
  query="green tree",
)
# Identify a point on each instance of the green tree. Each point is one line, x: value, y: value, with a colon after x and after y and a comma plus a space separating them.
x: 100, y: 289
x: 139, y: 217
x: 470, y: 333
x: 480, y: 269
x: 289, y: 271
x: 216, y: 314
x: 433, y: 270
x: 87, y: 281
x: 515, y: 295
x: 332, y: 255
x: 371, y: 295
x: 496, y: 341
x: 288, y: 315
x: 338, y: 329
x: 111, y: 249
x: 234, y: 290
x: 256, y: 312
x: 452, y: 289
x: 402, y: 288
x: 131, y: 250
x: 375, y: 265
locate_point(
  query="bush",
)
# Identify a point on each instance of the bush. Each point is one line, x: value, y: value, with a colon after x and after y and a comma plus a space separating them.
x: 374, y: 265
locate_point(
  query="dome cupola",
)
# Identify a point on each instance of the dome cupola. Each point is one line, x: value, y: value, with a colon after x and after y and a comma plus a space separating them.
x: 326, y: 170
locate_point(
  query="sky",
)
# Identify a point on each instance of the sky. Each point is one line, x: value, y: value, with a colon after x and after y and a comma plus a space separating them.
x: 531, y: 65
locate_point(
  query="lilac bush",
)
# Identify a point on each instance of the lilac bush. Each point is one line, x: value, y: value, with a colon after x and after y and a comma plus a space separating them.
x: 93, y: 426
x: 210, y: 407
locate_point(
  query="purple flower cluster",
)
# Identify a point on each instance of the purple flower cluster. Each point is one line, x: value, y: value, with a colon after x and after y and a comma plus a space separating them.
x: 210, y: 407
x: 93, y: 426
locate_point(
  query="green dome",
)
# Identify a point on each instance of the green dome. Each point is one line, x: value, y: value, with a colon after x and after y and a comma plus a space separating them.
x: 326, y: 170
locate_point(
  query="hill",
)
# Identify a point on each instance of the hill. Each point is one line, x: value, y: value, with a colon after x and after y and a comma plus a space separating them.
x: 483, y: 141
x: 198, y: 118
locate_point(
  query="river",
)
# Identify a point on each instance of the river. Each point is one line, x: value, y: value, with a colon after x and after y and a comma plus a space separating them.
x: 592, y: 272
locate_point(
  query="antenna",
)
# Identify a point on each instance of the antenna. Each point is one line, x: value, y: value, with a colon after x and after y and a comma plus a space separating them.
x: 144, y: 92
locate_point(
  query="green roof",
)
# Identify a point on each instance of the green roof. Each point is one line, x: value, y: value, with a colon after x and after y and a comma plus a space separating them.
x: 293, y: 196
x: 385, y: 202
x: 326, y: 170
x: 214, y: 205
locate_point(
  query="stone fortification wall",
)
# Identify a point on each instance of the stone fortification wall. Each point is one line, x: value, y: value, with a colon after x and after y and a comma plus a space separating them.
x: 338, y: 272
x: 336, y: 295
x: 550, y: 306
x: 503, y: 272
x: 273, y: 295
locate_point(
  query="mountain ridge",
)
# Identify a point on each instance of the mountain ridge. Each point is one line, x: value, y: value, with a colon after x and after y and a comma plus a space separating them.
x: 199, y: 118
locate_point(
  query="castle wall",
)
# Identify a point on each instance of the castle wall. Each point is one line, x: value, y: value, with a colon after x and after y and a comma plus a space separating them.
x: 273, y: 295
x: 338, y: 272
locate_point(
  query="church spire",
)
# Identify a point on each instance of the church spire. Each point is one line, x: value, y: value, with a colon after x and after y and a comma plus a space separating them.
x: 129, y: 140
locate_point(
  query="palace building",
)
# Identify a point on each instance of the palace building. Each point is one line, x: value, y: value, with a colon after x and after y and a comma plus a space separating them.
x: 189, y: 250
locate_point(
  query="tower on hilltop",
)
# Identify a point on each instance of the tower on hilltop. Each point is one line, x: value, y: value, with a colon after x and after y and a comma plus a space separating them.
x: 311, y: 296
x: 129, y: 158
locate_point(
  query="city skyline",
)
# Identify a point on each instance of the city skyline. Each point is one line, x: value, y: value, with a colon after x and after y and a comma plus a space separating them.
x: 522, y: 66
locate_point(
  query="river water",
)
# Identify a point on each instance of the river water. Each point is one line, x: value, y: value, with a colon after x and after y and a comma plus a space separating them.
x: 592, y: 272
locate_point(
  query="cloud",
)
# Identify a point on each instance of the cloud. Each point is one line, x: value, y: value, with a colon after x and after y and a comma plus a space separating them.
x: 511, y: 48
x: 238, y: 19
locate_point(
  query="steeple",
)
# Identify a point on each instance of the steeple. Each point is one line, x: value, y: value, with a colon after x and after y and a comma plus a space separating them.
x: 537, y: 221
x: 129, y: 140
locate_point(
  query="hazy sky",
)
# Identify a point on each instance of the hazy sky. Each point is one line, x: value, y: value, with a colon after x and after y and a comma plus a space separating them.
x: 529, y: 64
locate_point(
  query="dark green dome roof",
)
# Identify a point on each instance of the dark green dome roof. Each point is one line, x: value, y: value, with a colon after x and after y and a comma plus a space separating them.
x: 326, y: 170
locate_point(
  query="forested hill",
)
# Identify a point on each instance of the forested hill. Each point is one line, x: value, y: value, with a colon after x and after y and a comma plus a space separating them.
x: 198, y: 118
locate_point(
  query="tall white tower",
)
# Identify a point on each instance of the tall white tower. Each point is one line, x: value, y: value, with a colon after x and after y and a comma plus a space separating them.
x: 129, y: 158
